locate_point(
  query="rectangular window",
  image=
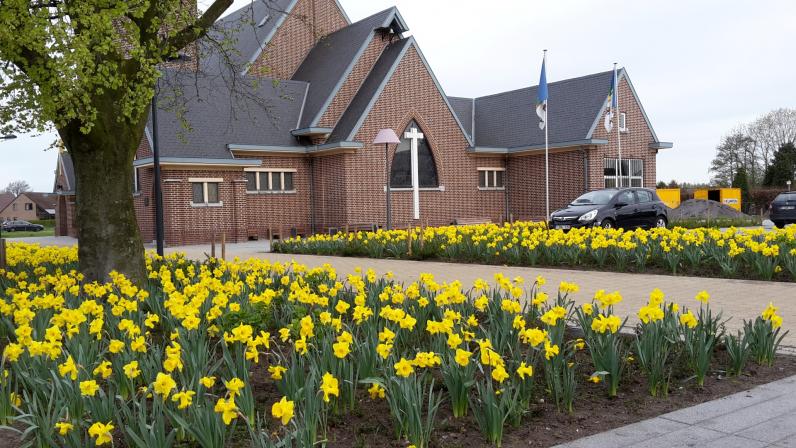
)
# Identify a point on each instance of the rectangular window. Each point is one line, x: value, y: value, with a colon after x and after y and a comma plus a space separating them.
x: 251, y: 181
x: 632, y: 172
x: 205, y: 191
x: 623, y: 122
x: 28, y: 206
x: 14, y: 207
x: 136, y: 180
x: 270, y: 180
x: 491, y: 178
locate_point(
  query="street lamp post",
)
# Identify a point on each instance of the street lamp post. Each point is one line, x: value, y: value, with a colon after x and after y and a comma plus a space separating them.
x: 5, y: 137
x: 157, y: 187
x: 2, y: 241
x: 387, y: 136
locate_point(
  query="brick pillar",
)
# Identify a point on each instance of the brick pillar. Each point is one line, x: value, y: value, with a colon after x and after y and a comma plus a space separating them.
x: 239, y: 225
x: 172, y: 225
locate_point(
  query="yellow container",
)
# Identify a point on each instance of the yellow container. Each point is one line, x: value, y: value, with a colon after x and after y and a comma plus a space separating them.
x: 730, y: 197
x: 669, y: 196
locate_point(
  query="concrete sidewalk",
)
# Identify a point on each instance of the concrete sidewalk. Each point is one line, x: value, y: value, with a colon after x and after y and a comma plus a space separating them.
x: 762, y: 417
x: 738, y: 299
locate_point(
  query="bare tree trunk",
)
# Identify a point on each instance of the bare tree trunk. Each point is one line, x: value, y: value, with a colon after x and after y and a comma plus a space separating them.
x: 108, y: 236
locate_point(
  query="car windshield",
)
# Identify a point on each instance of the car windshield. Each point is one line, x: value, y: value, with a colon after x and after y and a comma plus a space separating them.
x: 785, y: 197
x: 600, y: 197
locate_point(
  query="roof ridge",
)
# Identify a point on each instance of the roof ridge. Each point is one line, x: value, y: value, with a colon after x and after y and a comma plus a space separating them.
x: 562, y: 81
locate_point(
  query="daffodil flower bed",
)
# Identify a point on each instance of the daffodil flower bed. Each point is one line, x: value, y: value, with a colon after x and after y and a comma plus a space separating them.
x: 705, y: 252
x: 181, y: 360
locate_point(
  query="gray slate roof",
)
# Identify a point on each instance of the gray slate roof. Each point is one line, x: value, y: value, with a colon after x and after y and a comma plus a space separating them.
x: 509, y: 120
x: 262, y: 112
x: 327, y: 65
x: 463, y: 108
x: 380, y: 73
x: 69, y: 171
x: 246, y: 29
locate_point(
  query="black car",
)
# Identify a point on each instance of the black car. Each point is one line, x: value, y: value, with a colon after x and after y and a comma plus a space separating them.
x: 626, y: 208
x: 21, y: 226
x: 783, y: 209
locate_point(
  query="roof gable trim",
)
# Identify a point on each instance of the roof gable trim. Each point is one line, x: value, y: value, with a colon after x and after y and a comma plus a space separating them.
x: 341, y: 81
x: 411, y: 42
x: 270, y: 35
x: 622, y: 75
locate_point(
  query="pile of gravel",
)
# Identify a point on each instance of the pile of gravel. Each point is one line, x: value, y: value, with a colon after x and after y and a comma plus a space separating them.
x: 703, y: 209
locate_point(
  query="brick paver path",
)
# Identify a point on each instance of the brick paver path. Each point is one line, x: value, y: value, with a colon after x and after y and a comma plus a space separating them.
x: 761, y: 417
x: 739, y: 299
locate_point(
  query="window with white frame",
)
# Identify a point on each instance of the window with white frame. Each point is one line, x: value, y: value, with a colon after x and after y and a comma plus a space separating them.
x: 28, y: 206
x: 622, y: 122
x: 136, y: 180
x: 632, y: 172
x: 205, y: 191
x: 491, y: 178
x: 270, y: 180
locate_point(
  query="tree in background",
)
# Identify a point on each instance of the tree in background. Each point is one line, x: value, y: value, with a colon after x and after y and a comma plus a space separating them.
x: 741, y: 181
x: 89, y: 70
x: 16, y: 187
x: 770, y: 132
x: 783, y: 168
x: 733, y: 153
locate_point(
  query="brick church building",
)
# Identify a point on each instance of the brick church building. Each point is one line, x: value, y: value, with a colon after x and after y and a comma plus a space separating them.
x: 306, y: 162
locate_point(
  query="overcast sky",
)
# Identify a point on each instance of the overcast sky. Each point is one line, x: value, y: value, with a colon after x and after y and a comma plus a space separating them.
x: 700, y: 67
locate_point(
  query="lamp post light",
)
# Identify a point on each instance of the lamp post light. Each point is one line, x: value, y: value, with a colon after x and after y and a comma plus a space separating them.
x: 387, y: 136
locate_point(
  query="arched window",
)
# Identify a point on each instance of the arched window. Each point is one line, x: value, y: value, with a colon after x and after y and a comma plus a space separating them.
x: 401, y: 167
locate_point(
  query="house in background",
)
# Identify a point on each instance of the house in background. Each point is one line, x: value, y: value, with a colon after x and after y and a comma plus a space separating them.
x: 28, y: 206
x: 5, y: 200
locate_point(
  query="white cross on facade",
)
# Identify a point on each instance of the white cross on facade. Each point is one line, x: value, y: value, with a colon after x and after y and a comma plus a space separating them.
x: 415, y: 136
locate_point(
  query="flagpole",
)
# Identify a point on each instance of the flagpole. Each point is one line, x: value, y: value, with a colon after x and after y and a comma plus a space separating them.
x: 546, y: 152
x: 618, y: 125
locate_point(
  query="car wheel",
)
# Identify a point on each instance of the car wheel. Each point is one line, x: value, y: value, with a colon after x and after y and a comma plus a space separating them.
x: 660, y: 221
x: 779, y: 224
x: 607, y: 224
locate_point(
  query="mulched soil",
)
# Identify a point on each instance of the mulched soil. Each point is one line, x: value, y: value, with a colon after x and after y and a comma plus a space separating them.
x: 370, y: 424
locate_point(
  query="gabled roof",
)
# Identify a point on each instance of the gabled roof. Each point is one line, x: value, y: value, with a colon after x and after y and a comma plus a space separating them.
x: 360, y: 106
x: 368, y: 93
x: 66, y: 168
x: 508, y: 120
x: 5, y: 199
x: 45, y: 201
x: 258, y: 112
x: 252, y: 26
x: 327, y: 66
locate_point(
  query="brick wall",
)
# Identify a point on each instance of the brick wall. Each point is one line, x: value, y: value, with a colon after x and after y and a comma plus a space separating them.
x: 526, y: 182
x: 307, y: 22
x: 635, y: 142
x: 266, y: 212
x: 411, y: 94
x: 355, y: 79
x: 186, y: 224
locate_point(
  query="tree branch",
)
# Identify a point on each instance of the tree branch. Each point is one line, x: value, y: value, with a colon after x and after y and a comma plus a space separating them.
x: 199, y: 27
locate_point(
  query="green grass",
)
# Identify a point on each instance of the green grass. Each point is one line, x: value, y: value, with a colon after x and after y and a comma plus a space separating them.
x: 45, y: 232
x: 49, y: 230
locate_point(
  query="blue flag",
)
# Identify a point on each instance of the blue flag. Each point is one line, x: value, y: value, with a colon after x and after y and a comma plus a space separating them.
x: 541, y: 97
x: 613, y: 103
